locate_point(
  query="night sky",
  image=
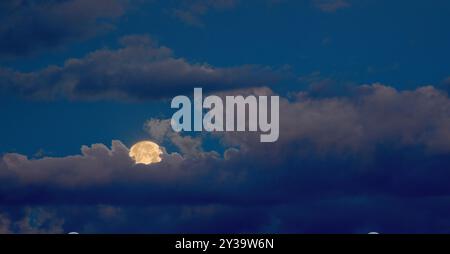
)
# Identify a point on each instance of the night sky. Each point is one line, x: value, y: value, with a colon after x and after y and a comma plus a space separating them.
x: 364, y: 116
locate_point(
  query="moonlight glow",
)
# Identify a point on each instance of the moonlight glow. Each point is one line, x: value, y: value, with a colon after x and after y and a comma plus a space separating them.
x: 145, y: 152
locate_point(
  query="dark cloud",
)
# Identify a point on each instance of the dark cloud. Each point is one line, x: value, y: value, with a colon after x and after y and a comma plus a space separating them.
x: 160, y: 131
x: 192, y: 12
x: 375, y: 161
x: 140, y: 69
x: 30, y: 26
x: 372, y: 115
x: 30, y: 220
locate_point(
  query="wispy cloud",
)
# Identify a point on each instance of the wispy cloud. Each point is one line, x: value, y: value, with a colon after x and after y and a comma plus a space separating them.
x: 331, y: 5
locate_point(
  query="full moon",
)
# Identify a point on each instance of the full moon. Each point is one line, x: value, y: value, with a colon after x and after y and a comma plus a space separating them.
x: 145, y: 152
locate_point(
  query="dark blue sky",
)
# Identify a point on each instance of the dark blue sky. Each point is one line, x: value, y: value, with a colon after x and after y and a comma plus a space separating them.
x: 364, y: 132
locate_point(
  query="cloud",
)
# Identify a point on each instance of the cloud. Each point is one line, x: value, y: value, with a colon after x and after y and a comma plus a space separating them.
x: 113, y: 176
x: 378, y: 116
x: 30, y: 26
x: 161, y: 130
x: 370, y: 116
x: 5, y: 224
x: 331, y: 5
x: 191, y: 12
x: 139, y: 70
x: 33, y: 220
x: 366, y: 162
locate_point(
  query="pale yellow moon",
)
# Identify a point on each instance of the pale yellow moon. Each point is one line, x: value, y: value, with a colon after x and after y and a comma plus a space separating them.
x: 145, y: 152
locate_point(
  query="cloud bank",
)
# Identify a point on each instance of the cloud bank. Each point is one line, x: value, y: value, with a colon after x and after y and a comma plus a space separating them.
x: 373, y: 161
x: 139, y: 70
